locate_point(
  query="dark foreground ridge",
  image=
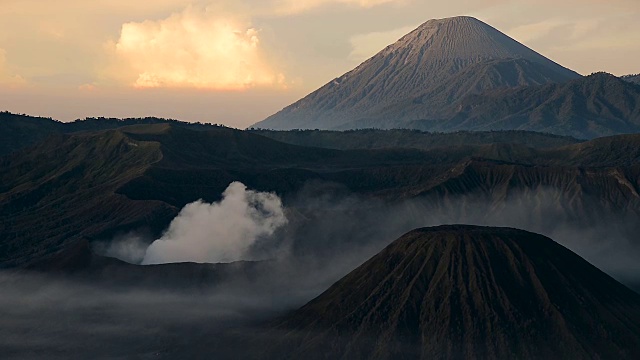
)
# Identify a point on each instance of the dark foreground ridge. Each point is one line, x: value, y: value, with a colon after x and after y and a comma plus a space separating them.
x: 138, y: 178
x: 468, y: 292
x: 632, y: 78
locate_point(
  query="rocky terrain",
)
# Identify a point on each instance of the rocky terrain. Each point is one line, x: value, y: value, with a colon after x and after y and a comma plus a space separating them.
x: 465, y: 292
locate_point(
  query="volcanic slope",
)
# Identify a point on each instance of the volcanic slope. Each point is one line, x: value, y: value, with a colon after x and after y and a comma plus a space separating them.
x: 412, y: 139
x: 92, y: 186
x: 467, y: 292
x: 597, y: 105
x: 439, y: 62
x: 62, y: 190
x: 18, y: 131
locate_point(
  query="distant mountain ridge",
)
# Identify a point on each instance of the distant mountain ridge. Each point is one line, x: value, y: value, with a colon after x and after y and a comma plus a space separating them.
x: 632, y: 78
x: 138, y: 177
x: 460, y: 74
x: 18, y: 131
x: 412, y: 139
x: 463, y: 51
x: 467, y: 292
x: 597, y: 105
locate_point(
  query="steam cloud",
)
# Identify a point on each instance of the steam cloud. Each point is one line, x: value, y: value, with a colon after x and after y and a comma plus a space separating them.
x: 220, y: 232
x: 329, y: 231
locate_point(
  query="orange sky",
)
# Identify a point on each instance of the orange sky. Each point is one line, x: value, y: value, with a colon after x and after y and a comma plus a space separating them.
x: 236, y: 62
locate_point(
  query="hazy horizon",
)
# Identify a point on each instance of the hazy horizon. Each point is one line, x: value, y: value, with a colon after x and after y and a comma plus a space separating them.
x: 238, y: 62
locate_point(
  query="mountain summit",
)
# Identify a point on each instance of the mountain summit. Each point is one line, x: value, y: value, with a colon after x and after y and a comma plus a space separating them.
x: 468, y: 292
x: 451, y: 57
x: 464, y: 39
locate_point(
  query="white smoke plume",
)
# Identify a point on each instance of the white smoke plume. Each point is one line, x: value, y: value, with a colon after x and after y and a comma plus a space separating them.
x: 130, y: 247
x: 219, y: 232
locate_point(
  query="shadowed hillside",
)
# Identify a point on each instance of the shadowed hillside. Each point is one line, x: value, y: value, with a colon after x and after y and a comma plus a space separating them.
x: 598, y: 105
x: 632, y: 78
x: 413, y: 139
x: 21, y: 131
x: 465, y: 292
x: 56, y: 193
x: 95, y: 185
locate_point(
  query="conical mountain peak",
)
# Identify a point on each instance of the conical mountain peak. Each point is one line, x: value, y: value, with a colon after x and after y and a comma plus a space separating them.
x: 469, y: 292
x: 464, y: 39
x: 416, y: 65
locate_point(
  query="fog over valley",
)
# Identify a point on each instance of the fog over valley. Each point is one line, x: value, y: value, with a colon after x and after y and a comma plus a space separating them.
x: 458, y: 195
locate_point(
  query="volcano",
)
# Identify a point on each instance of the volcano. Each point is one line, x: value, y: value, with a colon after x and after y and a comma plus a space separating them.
x: 593, y: 106
x: 468, y: 292
x: 437, y: 64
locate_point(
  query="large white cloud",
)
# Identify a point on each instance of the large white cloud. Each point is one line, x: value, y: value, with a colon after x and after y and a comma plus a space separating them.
x: 196, y: 48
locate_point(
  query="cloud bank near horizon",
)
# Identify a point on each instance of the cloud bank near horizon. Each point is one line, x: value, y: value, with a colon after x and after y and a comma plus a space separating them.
x: 108, y: 48
x: 197, y: 48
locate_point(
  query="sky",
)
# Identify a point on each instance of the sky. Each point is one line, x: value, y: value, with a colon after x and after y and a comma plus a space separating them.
x: 235, y: 62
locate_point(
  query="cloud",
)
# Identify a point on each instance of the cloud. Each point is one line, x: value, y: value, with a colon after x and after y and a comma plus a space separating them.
x: 572, y: 29
x: 367, y: 45
x: 196, y: 48
x: 87, y: 87
x: 288, y: 7
x: 7, y: 77
x: 130, y: 248
x: 311, y: 41
x: 220, y: 232
x: 583, y: 41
